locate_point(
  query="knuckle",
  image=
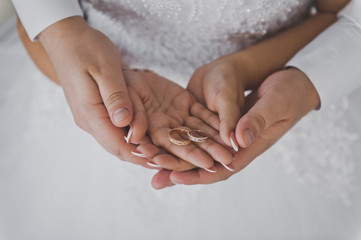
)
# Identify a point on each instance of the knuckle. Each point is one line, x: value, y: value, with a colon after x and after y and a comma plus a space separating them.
x: 116, y: 97
x: 260, y: 121
x: 257, y: 121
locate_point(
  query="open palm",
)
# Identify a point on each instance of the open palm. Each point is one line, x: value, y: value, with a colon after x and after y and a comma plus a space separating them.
x: 166, y: 106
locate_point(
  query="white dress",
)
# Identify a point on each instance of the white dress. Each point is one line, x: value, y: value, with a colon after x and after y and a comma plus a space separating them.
x: 56, y: 182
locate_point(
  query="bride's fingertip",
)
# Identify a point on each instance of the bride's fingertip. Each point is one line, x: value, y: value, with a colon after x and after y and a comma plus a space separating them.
x: 153, y: 165
x: 233, y: 140
x: 129, y: 135
x: 211, y: 170
x: 229, y: 167
x: 142, y: 155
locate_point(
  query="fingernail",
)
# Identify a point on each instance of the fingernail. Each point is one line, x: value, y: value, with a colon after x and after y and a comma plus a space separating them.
x: 142, y: 155
x: 248, y: 137
x: 175, y: 182
x: 211, y: 170
x: 120, y: 114
x: 130, y: 132
x: 228, y: 167
x: 153, y: 165
x: 233, y: 141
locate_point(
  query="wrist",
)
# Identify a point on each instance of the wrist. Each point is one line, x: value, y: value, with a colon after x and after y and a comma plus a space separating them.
x: 314, y: 97
x: 239, y: 65
x: 62, y: 30
x: 249, y: 70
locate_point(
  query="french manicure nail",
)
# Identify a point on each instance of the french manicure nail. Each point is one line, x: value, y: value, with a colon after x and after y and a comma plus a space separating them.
x: 228, y: 167
x: 120, y: 114
x: 234, y: 141
x: 130, y: 132
x: 248, y: 136
x: 211, y: 170
x: 142, y: 155
x: 153, y: 165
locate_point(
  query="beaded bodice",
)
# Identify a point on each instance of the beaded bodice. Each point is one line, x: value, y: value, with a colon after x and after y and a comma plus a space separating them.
x: 174, y: 37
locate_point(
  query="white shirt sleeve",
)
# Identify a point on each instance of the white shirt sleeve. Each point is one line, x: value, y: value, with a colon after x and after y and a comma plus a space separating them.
x: 36, y: 15
x: 332, y: 61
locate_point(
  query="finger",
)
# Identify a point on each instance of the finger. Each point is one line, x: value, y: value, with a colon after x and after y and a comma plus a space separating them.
x: 228, y: 106
x: 195, y: 84
x: 139, y: 124
x: 268, y: 110
x: 112, y: 138
x: 162, y: 179
x: 114, y: 93
x: 161, y: 158
x: 214, y: 148
x: 242, y: 159
x: 200, y: 111
x: 189, y: 153
x: 198, y: 176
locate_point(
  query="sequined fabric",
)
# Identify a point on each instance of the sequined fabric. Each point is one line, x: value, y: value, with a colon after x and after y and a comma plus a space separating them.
x: 181, y: 35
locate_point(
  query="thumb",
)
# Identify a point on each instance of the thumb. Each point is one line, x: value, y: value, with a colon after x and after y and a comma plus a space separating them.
x: 114, y: 93
x: 268, y: 110
x: 228, y: 106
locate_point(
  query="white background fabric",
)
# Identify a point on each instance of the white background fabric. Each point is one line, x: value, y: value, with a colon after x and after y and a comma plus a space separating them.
x: 6, y: 10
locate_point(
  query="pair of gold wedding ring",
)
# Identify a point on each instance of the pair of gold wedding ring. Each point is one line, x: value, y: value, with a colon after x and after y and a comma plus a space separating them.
x: 182, y: 137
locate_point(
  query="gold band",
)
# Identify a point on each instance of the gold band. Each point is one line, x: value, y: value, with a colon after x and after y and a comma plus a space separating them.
x: 197, y: 135
x: 182, y: 137
x: 179, y: 136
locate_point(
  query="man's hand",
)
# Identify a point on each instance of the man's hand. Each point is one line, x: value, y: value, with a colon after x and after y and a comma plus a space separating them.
x: 88, y: 67
x: 220, y: 85
x: 281, y: 100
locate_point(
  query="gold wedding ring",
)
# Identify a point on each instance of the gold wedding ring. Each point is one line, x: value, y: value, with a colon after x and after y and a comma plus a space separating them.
x: 197, y: 135
x: 179, y: 136
x: 182, y: 137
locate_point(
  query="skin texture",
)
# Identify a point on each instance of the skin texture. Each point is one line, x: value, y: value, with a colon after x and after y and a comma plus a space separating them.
x: 167, y: 106
x: 271, y: 112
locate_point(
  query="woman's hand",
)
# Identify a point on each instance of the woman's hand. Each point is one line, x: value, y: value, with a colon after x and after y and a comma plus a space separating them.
x: 167, y: 106
x: 220, y: 85
x: 281, y: 100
